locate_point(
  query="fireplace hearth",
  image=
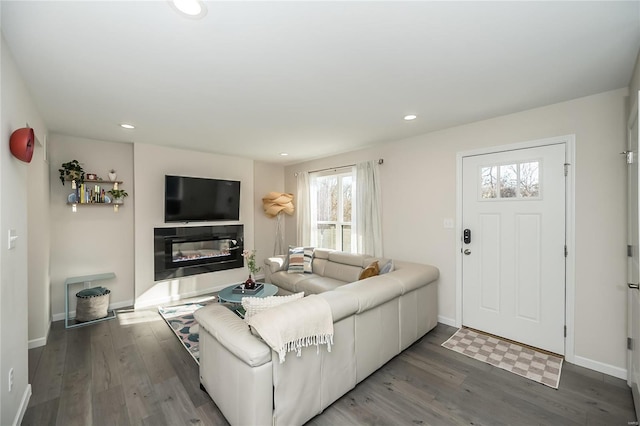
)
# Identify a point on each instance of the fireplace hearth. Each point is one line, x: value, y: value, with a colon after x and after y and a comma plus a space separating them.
x: 184, y: 251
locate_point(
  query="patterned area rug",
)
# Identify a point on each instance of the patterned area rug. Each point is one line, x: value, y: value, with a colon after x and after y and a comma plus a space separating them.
x: 526, y: 362
x: 180, y: 319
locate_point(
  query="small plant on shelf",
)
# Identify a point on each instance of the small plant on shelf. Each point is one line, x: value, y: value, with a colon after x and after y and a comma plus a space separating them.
x: 118, y: 194
x: 71, y: 171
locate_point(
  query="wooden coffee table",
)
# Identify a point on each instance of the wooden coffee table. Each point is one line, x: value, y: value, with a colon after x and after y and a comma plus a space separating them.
x: 227, y: 294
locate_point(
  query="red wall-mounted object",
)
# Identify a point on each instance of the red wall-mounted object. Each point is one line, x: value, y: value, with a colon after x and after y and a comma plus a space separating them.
x: 22, y: 143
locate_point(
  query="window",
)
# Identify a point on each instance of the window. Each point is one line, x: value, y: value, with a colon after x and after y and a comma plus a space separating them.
x: 332, y: 210
x: 520, y: 180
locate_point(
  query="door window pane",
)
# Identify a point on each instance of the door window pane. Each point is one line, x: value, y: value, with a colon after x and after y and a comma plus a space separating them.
x: 511, y: 181
x: 529, y: 180
x: 489, y: 182
x: 508, y: 181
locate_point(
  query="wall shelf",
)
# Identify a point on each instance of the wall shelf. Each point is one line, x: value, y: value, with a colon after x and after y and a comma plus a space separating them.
x: 90, y: 185
x: 86, y: 181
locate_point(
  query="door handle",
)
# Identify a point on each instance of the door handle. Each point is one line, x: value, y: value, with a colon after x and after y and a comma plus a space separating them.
x: 468, y: 252
x: 635, y: 286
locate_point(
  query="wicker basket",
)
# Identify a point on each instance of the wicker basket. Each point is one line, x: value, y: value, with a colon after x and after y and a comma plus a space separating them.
x: 94, y: 307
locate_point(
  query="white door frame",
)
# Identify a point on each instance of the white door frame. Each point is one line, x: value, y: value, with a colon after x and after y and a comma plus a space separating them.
x: 569, y: 142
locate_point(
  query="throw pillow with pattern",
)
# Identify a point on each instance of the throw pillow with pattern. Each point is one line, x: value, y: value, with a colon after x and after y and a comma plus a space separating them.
x: 300, y: 260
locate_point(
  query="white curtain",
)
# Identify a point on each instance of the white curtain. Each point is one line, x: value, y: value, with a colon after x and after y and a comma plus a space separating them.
x: 303, y: 210
x: 368, y: 209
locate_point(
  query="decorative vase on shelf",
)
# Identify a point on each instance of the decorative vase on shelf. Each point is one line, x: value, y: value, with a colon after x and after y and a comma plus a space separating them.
x: 250, y: 283
x: 112, y: 176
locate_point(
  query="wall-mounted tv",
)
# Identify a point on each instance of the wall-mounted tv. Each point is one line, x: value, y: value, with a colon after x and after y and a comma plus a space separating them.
x: 191, y: 199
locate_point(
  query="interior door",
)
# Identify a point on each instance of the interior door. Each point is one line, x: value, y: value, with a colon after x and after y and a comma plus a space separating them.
x: 513, y: 268
x: 633, y: 262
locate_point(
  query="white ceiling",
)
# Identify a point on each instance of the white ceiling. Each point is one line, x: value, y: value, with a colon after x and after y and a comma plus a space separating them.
x: 254, y: 79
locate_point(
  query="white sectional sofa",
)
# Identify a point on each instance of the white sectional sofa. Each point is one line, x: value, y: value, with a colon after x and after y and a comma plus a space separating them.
x: 374, y: 320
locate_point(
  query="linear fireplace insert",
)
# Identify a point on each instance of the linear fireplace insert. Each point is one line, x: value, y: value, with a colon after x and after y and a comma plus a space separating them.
x: 184, y: 251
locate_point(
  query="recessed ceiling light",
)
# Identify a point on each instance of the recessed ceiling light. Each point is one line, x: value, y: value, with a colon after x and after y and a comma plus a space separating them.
x: 190, y: 8
x: 410, y: 117
x: 284, y: 154
x: 127, y: 126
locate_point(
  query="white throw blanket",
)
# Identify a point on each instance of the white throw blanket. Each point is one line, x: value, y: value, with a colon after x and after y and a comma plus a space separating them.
x: 294, y: 325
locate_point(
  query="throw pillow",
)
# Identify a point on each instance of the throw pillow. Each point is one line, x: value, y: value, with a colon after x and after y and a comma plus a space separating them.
x: 388, y: 267
x: 254, y: 305
x: 370, y: 271
x: 300, y: 260
x: 308, y: 260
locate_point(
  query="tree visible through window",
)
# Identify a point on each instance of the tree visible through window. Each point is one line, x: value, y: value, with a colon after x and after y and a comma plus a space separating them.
x: 520, y: 180
x: 332, y: 210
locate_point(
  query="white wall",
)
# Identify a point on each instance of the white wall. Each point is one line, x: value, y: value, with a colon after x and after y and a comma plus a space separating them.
x: 418, y: 181
x: 151, y: 164
x: 634, y: 84
x: 38, y: 225
x: 94, y: 239
x: 17, y: 110
x: 267, y: 178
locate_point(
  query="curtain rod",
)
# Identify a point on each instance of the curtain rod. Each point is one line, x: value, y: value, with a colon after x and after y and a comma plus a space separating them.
x: 380, y: 161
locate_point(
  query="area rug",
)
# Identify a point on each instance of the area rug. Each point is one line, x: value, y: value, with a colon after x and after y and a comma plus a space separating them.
x: 181, y: 320
x: 538, y: 366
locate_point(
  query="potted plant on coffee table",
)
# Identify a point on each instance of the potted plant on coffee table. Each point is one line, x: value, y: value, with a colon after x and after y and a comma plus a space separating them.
x: 250, y: 257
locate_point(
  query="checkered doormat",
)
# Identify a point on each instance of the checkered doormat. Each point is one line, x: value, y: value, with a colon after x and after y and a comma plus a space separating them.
x: 524, y: 361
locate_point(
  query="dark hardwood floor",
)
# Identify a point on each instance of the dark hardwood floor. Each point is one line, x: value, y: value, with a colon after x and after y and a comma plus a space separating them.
x: 134, y: 371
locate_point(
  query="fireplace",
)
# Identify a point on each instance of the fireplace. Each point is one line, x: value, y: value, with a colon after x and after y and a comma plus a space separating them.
x: 184, y: 251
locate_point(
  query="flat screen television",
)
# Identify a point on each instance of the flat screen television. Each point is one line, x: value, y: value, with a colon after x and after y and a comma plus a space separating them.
x: 191, y: 199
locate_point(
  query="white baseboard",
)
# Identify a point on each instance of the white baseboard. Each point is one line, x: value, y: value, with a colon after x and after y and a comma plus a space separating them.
x: 601, y: 367
x: 36, y: 343
x: 447, y: 321
x: 117, y: 305
x: 23, y: 406
x: 41, y: 341
x: 159, y: 301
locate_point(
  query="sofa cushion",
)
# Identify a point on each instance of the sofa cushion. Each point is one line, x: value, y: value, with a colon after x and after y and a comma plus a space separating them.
x: 405, y: 275
x: 287, y: 281
x: 373, y: 292
x: 254, y: 305
x: 319, y: 264
x: 342, y: 304
x: 232, y: 332
x: 316, y: 284
x: 359, y: 260
x: 370, y: 271
x: 321, y: 253
x: 342, y: 272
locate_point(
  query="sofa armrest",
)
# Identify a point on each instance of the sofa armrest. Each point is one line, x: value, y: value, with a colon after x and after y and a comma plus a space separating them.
x: 273, y: 265
x: 233, y: 333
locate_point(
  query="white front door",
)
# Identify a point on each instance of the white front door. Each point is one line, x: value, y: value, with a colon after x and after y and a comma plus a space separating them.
x: 513, y: 266
x: 633, y: 260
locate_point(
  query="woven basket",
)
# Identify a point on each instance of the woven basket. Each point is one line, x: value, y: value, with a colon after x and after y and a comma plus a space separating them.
x: 92, y: 307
